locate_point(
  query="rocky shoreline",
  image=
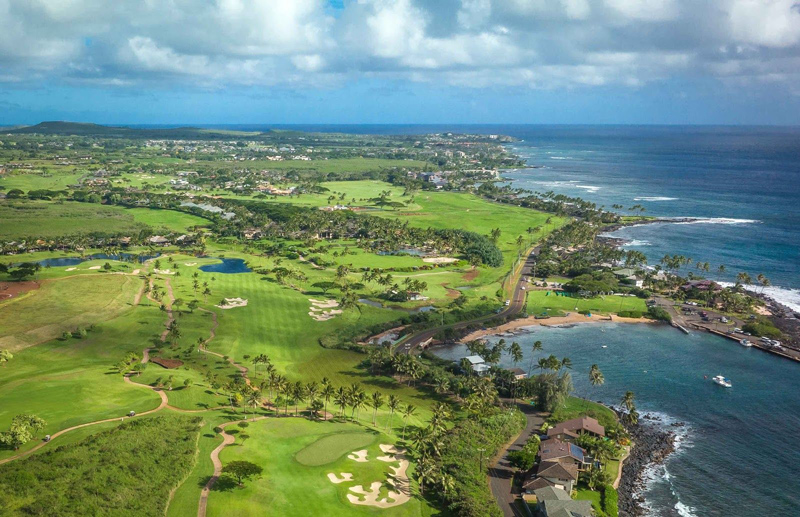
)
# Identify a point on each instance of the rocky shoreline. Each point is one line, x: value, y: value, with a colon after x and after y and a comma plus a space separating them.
x: 653, y: 443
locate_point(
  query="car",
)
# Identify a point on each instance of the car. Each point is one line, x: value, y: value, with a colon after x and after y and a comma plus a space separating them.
x: 508, y: 302
x: 523, y: 287
x: 737, y: 330
x: 132, y: 413
x: 47, y: 438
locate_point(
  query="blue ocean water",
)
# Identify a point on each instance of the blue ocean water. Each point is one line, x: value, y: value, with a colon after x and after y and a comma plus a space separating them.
x: 737, y: 453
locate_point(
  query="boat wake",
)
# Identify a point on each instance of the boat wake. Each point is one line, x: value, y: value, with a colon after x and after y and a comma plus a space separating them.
x: 655, y: 198
x: 717, y: 220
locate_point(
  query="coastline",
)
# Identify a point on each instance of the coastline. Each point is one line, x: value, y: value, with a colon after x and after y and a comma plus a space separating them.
x: 571, y: 318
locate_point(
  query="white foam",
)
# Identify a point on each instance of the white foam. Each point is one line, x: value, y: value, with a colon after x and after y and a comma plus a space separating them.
x: 560, y: 158
x: 718, y: 220
x: 783, y: 295
x: 684, y: 510
x: 654, y: 198
x: 588, y: 188
x: 636, y: 242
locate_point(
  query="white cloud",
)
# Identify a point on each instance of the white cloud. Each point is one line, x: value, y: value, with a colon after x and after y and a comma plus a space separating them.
x: 473, y: 43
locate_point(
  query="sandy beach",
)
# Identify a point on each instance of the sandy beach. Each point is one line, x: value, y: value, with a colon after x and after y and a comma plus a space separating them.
x: 570, y: 318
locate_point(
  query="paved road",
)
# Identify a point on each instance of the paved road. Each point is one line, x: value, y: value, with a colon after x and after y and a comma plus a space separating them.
x: 501, y: 472
x: 517, y: 302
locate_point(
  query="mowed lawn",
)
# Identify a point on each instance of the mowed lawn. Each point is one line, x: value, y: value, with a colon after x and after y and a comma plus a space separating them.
x: 64, y: 305
x: 540, y: 302
x: 26, y: 220
x: 294, y: 486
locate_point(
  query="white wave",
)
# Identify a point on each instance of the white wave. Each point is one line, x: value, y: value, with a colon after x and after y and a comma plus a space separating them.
x: 718, y: 220
x: 588, y: 188
x: 684, y: 510
x: 560, y: 157
x: 654, y: 198
x: 636, y: 242
x: 783, y: 295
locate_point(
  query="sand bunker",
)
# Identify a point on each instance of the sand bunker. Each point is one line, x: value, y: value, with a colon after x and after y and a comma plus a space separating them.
x: 71, y: 269
x: 164, y: 271
x: 190, y: 264
x: 135, y: 271
x: 359, y: 456
x: 93, y: 267
x: 317, y: 309
x: 346, y: 476
x: 440, y: 260
x: 398, y: 480
x: 232, y: 303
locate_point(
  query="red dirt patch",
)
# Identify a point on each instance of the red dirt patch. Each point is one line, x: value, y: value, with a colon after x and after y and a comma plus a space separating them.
x: 451, y: 293
x: 167, y: 363
x: 10, y: 290
x: 411, y: 213
x: 470, y: 275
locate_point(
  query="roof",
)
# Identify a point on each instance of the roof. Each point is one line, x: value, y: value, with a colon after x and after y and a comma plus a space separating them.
x: 577, y: 425
x: 551, y: 493
x: 535, y: 484
x: 563, y: 508
x: 554, y: 449
x: 556, y: 470
x: 481, y: 367
x: 517, y: 371
x: 475, y: 359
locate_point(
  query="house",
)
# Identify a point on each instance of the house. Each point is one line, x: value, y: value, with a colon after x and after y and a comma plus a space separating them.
x: 158, y: 240
x: 252, y: 233
x: 518, y: 373
x: 552, y: 474
x: 555, y: 502
x: 479, y: 366
x: 416, y: 297
x: 630, y: 276
x: 554, y: 449
x: 571, y: 429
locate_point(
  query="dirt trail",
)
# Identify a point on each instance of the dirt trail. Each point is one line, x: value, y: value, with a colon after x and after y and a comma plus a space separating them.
x: 227, y: 439
x: 212, y: 334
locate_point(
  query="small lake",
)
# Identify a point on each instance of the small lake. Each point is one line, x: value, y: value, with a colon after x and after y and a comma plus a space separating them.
x: 405, y: 251
x: 227, y: 266
x: 74, y: 261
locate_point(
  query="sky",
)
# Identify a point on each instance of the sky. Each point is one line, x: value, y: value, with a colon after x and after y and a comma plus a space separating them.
x: 400, y: 61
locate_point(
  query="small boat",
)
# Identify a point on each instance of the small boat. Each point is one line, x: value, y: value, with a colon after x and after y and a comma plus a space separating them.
x: 745, y: 342
x: 722, y: 381
x: 604, y: 346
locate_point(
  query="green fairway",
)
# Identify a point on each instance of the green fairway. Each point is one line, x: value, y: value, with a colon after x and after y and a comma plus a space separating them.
x: 540, y: 302
x: 46, y: 220
x: 289, y: 488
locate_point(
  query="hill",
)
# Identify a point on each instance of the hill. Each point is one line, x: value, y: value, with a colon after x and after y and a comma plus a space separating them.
x: 97, y: 130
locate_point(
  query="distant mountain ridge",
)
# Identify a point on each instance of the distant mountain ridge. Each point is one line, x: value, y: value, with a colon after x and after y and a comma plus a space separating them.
x: 56, y: 127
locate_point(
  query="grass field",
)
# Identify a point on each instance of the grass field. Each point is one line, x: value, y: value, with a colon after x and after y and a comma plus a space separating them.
x: 540, y: 302
x: 290, y: 487
x: 64, y: 305
x: 42, y: 219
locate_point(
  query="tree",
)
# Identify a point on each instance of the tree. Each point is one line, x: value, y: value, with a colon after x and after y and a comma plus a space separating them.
x: 596, y: 377
x: 524, y: 458
x: 376, y: 401
x: 536, y: 347
x: 408, y: 411
x: 5, y: 356
x: 22, y: 430
x: 254, y: 399
x: 392, y: 403
x: 242, y: 470
x: 327, y: 393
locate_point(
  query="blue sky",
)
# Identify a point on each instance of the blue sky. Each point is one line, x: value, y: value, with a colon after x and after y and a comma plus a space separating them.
x: 400, y: 61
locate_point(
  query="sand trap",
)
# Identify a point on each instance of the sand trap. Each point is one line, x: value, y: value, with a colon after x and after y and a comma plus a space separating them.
x: 71, y: 269
x: 440, y: 260
x: 359, y: 456
x: 232, y: 303
x: 164, y: 271
x: 323, y: 304
x: 93, y: 267
x: 190, y: 264
x: 346, y: 476
x: 135, y: 271
x: 398, y: 480
x: 325, y: 315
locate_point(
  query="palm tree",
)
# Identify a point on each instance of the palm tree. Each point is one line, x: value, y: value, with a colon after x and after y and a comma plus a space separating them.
x: 408, y: 411
x: 312, y: 390
x: 376, y: 402
x: 536, y: 347
x: 628, y: 400
x: 298, y: 394
x: 393, y: 403
x: 327, y: 393
x: 596, y: 377
x: 254, y: 399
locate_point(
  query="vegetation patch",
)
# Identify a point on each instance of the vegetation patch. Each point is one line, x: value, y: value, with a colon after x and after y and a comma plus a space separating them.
x: 127, y: 471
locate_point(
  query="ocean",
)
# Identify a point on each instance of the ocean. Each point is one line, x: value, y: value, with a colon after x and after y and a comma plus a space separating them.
x: 737, y: 451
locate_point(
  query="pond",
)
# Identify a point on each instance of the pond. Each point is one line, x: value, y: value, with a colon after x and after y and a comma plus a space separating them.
x: 227, y: 266
x: 74, y: 261
x: 405, y: 251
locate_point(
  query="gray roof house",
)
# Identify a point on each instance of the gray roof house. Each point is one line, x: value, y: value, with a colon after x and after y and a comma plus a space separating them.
x: 554, y: 502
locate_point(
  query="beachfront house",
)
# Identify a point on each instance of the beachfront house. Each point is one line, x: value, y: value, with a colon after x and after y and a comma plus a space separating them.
x: 571, y: 429
x: 551, y: 474
x: 554, y: 449
x: 478, y: 365
x: 518, y: 373
x: 555, y: 502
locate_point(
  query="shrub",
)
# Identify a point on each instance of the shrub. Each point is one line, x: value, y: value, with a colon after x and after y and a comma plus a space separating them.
x: 630, y: 314
x: 610, y: 501
x: 658, y: 313
x: 762, y: 327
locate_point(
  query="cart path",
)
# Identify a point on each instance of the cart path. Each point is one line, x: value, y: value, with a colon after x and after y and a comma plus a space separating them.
x: 227, y: 439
